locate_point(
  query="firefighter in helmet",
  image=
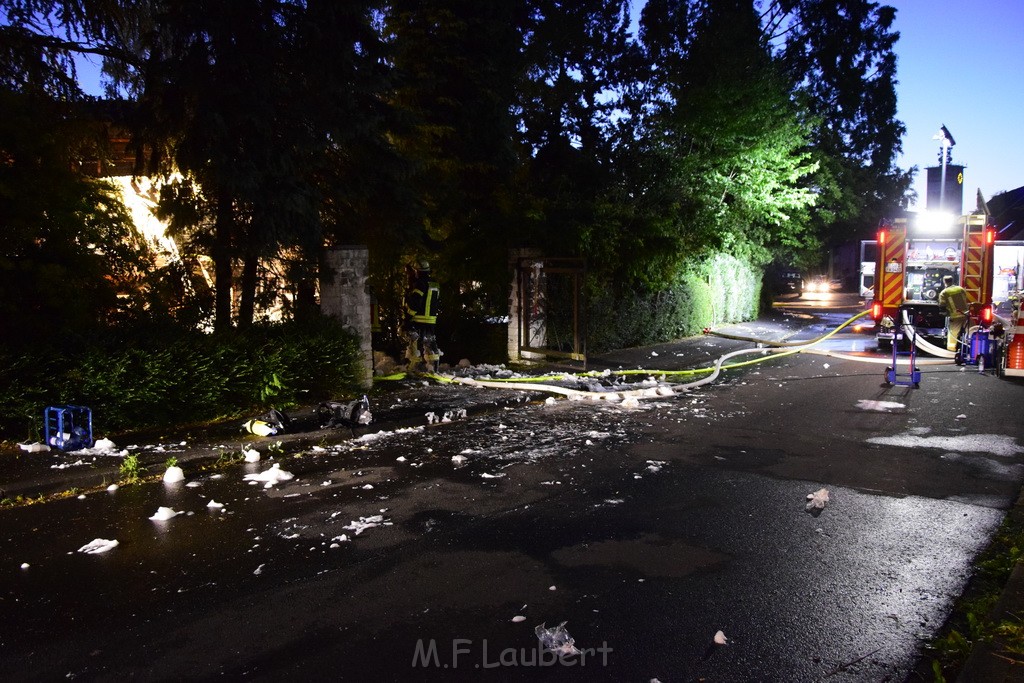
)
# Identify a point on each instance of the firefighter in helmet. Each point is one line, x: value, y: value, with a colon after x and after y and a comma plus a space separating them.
x: 953, y: 299
x: 421, y: 309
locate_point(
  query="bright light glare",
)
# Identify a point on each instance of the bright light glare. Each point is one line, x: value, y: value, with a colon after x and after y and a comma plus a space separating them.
x: 934, y: 221
x: 817, y: 286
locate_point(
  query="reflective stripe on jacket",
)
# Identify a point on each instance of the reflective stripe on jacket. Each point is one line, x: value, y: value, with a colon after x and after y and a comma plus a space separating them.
x: 427, y: 313
x: 954, y: 300
x: 421, y: 304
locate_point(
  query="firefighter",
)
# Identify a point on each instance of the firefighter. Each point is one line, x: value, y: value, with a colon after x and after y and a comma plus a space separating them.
x: 421, y: 308
x: 953, y: 298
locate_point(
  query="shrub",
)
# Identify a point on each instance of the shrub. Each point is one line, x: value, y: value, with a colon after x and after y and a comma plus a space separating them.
x: 722, y: 289
x: 152, y: 376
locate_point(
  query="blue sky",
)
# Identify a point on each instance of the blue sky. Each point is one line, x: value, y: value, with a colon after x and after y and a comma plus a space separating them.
x: 960, y: 65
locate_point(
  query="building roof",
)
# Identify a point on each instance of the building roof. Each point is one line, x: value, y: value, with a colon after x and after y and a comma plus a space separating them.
x: 1007, y: 214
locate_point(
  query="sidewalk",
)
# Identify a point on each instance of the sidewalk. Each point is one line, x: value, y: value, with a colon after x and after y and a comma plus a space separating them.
x: 402, y: 404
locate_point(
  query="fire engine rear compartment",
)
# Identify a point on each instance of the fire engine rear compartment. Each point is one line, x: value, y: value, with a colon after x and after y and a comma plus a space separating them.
x: 911, y: 262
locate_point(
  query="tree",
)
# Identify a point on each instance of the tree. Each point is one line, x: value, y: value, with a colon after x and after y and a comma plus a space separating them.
x: 727, y: 150
x: 457, y: 69
x: 577, y: 69
x: 218, y: 92
x: 70, y: 259
x: 69, y: 249
x: 840, y: 55
x: 344, y: 72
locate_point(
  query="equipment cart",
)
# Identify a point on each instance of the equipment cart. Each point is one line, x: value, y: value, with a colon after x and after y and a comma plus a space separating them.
x: 911, y: 378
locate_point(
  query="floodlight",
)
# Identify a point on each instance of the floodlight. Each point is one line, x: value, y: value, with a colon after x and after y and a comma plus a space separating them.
x: 934, y: 222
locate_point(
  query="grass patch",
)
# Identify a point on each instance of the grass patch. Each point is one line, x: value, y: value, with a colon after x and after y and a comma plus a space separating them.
x: 226, y: 460
x: 972, y: 622
x: 131, y: 470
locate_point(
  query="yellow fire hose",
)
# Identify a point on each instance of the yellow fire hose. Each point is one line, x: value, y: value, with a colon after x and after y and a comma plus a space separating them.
x: 779, y: 349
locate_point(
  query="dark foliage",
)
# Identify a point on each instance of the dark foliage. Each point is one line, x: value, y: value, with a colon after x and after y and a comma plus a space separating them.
x: 159, y: 374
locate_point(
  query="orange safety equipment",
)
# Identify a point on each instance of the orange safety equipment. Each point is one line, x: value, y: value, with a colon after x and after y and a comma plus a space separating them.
x: 1015, y: 351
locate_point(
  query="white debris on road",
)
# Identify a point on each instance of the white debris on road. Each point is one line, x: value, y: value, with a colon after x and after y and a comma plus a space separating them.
x: 174, y: 474
x: 880, y: 406
x: 382, y: 434
x: 557, y: 639
x: 365, y: 523
x: 996, y: 444
x: 720, y: 639
x: 272, y: 476
x: 251, y: 455
x: 100, y: 545
x: 65, y: 465
x: 164, y: 513
x: 817, y: 500
x: 101, y: 447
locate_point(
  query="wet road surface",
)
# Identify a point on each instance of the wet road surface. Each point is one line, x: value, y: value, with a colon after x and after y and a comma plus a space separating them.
x: 647, y: 529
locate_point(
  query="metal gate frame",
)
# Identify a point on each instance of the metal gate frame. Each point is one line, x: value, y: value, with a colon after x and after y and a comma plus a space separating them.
x: 537, y: 269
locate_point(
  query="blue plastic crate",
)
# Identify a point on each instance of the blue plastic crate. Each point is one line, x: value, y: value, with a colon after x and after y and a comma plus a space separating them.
x: 68, y: 428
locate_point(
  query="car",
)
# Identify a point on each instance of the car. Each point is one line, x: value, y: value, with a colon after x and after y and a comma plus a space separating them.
x: 788, y: 281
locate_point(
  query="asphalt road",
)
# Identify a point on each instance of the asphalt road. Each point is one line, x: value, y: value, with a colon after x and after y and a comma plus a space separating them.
x: 646, y: 529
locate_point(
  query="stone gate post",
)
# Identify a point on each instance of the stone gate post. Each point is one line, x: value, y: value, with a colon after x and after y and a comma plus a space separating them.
x: 537, y: 334
x: 346, y: 297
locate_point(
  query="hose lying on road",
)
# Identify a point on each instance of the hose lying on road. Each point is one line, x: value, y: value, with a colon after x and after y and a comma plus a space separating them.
x: 615, y: 396
x: 780, y: 349
x: 767, y: 342
x: 922, y: 343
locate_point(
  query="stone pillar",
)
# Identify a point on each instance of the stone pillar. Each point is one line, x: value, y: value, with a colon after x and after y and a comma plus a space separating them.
x: 346, y: 297
x: 537, y: 334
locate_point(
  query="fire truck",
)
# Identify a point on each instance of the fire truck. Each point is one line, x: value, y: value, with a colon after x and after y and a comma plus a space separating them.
x: 912, y: 258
